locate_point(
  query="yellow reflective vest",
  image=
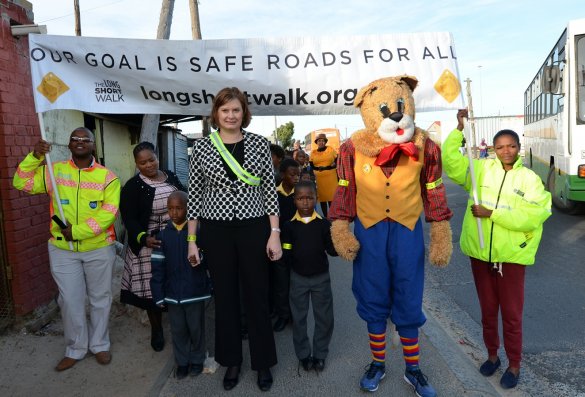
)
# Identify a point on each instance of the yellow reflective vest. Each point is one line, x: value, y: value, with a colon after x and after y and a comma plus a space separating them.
x: 90, y: 198
x: 518, y: 201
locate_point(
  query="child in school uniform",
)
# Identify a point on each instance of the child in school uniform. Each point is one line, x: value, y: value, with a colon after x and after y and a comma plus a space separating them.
x: 289, y: 176
x: 306, y: 241
x: 182, y: 287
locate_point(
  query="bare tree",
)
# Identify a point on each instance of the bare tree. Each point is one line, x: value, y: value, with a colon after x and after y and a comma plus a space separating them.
x: 195, y: 26
x: 77, y: 17
x: 150, y: 122
x: 196, y: 34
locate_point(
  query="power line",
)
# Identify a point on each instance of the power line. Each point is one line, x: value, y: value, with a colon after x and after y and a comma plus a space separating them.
x: 86, y: 10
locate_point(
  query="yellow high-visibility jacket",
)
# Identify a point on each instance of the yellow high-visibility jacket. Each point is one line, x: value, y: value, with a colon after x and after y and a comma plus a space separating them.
x: 90, y: 198
x: 518, y: 201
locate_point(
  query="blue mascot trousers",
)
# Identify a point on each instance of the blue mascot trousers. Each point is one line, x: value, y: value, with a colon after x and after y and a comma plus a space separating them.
x: 388, y: 276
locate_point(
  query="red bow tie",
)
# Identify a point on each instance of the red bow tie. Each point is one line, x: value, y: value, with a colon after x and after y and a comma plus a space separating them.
x: 387, y: 154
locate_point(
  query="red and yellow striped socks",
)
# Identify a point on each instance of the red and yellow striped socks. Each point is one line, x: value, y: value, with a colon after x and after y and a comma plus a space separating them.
x: 378, y: 347
x: 411, y: 352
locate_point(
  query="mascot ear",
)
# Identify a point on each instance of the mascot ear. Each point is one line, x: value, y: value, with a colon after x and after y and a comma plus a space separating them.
x: 362, y: 93
x: 411, y: 81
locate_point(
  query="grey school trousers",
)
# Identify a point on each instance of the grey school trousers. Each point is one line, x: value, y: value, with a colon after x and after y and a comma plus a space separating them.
x: 188, y: 331
x: 317, y: 289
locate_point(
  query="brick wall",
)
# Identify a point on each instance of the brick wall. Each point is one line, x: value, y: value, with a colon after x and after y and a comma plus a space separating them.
x: 25, y: 218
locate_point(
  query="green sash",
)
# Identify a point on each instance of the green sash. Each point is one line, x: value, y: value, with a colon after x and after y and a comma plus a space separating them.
x: 240, y: 172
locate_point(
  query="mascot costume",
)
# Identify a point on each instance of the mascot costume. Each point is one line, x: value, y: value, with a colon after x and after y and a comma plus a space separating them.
x: 388, y: 173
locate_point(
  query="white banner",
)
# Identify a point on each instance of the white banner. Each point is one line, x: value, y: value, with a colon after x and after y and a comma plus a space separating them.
x: 280, y: 76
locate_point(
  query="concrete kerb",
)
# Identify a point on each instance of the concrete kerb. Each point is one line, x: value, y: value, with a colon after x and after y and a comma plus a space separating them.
x: 458, y: 338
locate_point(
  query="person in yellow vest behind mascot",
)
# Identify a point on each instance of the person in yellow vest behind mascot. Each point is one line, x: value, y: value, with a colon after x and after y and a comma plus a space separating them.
x: 388, y: 174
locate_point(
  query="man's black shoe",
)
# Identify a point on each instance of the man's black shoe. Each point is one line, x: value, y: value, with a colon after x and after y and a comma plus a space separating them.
x: 280, y: 324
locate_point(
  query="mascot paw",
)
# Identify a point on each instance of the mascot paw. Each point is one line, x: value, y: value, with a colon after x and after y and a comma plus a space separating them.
x: 344, y: 241
x: 441, y: 245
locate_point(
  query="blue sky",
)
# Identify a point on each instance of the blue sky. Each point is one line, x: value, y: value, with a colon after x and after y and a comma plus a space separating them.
x: 500, y: 44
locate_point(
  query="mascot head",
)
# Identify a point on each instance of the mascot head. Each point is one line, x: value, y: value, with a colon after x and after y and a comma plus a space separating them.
x: 387, y: 108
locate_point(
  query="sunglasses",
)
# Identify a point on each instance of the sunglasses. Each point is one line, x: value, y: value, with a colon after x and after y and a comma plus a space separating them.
x: 80, y: 139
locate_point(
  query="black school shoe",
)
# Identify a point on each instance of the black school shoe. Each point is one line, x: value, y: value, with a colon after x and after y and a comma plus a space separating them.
x: 196, y: 369
x: 318, y: 364
x: 280, y: 324
x: 488, y: 368
x: 509, y: 380
x: 264, y: 379
x: 181, y: 371
x: 307, y: 363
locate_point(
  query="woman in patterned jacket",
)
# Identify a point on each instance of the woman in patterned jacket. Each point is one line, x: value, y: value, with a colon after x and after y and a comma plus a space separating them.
x: 232, y: 198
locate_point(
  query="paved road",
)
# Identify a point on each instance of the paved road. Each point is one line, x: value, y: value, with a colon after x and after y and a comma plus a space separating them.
x: 451, y: 369
x: 349, y: 354
x: 554, y: 316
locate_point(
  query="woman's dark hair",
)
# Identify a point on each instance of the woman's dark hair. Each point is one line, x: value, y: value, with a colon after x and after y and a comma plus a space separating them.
x: 224, y: 96
x: 288, y: 163
x: 511, y: 133
x: 308, y: 184
x: 143, y: 146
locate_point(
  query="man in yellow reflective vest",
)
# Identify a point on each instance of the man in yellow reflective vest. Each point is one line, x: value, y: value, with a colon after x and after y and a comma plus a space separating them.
x: 82, y: 253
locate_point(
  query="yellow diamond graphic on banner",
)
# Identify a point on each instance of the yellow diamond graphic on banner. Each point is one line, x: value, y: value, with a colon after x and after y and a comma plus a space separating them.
x: 52, y: 87
x: 448, y: 86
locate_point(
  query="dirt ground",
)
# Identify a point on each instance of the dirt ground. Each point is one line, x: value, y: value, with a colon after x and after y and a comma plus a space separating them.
x: 27, y: 360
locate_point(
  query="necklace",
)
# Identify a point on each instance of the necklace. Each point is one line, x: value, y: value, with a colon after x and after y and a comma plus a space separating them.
x: 234, y: 148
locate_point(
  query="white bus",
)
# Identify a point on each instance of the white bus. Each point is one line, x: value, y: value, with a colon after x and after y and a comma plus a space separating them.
x: 554, y: 120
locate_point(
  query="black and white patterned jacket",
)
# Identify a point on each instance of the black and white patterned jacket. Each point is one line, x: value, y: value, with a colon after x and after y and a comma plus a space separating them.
x: 214, y: 196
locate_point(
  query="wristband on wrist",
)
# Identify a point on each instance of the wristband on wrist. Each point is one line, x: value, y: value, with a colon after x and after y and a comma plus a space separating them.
x: 191, y: 237
x: 275, y: 229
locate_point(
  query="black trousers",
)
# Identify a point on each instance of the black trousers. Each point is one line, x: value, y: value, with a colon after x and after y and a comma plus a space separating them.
x: 236, y: 255
x: 280, y: 284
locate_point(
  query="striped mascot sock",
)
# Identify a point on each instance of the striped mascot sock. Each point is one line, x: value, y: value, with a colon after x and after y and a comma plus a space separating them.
x: 377, y: 337
x: 411, y: 352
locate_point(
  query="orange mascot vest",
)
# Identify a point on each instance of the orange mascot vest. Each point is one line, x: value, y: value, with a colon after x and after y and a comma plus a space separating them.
x: 397, y: 198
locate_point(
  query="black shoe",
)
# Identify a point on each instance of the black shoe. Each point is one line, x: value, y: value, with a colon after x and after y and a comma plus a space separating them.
x: 181, y: 371
x: 157, y: 340
x: 264, y: 379
x: 307, y: 363
x: 244, y: 333
x: 488, y: 368
x: 195, y: 369
x: 318, y: 364
x: 509, y: 380
x: 230, y: 380
x: 280, y: 324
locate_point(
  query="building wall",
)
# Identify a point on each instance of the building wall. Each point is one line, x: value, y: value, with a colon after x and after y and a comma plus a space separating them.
x: 24, y: 221
x: 116, y: 146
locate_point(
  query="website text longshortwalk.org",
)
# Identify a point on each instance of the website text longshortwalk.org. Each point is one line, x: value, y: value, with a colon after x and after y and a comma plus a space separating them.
x: 292, y: 96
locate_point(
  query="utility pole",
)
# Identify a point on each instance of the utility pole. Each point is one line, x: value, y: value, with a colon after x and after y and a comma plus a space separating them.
x: 471, y: 120
x: 195, y: 26
x: 150, y: 122
x: 77, y: 17
x: 196, y: 34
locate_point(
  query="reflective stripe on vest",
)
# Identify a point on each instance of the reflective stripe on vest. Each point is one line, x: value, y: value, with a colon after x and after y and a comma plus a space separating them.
x: 237, y: 169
